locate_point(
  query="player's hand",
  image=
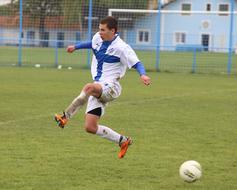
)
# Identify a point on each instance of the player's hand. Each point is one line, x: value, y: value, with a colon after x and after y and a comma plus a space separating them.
x: 70, y: 49
x: 146, y: 80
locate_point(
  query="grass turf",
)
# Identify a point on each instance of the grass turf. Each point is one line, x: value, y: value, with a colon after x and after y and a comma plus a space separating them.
x: 179, y: 117
x: 170, y: 61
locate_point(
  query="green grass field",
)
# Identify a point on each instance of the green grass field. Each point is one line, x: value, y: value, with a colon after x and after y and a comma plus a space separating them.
x: 179, y: 117
x: 170, y: 61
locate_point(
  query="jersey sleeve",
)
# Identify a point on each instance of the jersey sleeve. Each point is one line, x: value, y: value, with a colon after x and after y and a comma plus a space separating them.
x: 95, y: 40
x: 129, y: 57
x: 84, y: 45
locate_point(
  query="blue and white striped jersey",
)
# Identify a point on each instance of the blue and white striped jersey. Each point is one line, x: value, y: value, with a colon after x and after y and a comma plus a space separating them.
x: 111, y: 58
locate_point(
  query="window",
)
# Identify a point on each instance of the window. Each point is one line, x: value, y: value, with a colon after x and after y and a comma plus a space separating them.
x: 223, y: 8
x: 44, y: 39
x: 60, y: 38
x: 186, y: 7
x: 31, y: 35
x: 180, y: 37
x: 78, y: 36
x: 30, y: 38
x: 208, y: 7
x: 143, y: 36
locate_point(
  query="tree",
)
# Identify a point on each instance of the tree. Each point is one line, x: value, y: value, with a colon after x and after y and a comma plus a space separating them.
x: 40, y: 10
x: 72, y: 12
x: 78, y: 10
x: 127, y: 4
x: 9, y: 9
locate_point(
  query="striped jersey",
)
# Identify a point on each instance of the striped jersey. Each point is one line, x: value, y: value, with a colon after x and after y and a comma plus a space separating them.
x: 111, y: 58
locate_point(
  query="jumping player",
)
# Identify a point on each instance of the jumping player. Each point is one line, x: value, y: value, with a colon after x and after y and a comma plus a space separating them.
x: 112, y: 56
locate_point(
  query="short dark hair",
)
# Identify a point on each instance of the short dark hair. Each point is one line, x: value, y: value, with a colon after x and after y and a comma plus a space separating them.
x: 111, y: 22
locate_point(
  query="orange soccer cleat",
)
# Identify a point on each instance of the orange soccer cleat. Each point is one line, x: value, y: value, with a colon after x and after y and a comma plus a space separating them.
x: 61, y: 120
x: 124, y: 147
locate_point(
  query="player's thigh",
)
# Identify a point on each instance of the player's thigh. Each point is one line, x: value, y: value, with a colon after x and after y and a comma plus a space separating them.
x: 94, y: 103
x: 110, y: 91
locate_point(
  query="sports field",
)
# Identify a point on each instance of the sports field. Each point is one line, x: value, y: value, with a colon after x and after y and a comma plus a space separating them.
x: 169, y: 61
x: 179, y: 117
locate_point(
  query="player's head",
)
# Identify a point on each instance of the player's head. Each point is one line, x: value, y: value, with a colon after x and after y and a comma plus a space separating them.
x: 108, y: 28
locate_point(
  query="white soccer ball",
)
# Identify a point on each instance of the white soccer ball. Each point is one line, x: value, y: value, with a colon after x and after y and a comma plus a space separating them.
x: 37, y: 65
x: 190, y: 171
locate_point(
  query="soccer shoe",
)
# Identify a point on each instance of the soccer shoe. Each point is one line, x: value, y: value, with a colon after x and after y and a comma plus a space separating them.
x: 124, y: 147
x: 61, y: 120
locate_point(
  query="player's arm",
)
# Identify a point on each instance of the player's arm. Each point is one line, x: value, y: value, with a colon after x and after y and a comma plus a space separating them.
x: 130, y: 58
x: 84, y: 45
x: 142, y: 72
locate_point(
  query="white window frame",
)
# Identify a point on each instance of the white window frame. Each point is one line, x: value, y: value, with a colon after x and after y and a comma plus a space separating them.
x: 180, y: 42
x: 211, y: 7
x: 181, y: 8
x: 224, y: 12
x: 210, y: 45
x: 149, y: 36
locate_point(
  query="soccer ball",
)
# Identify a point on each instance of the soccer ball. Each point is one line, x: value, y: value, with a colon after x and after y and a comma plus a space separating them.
x: 37, y: 65
x: 190, y: 171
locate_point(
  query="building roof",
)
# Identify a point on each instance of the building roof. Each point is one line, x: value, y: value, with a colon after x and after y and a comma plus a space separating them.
x: 166, y: 2
x: 50, y: 22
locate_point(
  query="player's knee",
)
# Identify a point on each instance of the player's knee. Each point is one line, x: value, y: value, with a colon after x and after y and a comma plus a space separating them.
x: 93, y: 89
x: 88, y: 88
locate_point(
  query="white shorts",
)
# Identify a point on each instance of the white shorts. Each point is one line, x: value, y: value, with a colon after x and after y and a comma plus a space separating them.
x: 110, y: 91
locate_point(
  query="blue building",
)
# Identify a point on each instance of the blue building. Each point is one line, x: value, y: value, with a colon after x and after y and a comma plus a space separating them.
x: 205, y: 25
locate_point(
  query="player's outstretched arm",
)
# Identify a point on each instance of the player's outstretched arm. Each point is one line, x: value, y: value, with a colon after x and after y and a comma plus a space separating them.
x: 84, y: 45
x: 70, y: 48
x: 146, y: 80
x: 141, y: 70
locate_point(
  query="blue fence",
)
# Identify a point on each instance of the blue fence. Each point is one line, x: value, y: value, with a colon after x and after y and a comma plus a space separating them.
x: 164, y: 37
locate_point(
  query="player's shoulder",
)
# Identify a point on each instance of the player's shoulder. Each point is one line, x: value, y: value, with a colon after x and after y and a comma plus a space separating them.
x: 96, y: 37
x: 120, y: 41
x: 122, y: 45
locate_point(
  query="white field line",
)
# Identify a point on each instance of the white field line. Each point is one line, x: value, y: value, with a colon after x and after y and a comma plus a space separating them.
x: 120, y: 103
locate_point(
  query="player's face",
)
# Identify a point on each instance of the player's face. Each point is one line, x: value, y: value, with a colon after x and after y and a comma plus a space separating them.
x: 105, y: 33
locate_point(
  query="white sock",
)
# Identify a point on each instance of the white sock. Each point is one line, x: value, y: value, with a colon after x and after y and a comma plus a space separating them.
x: 109, y: 134
x: 76, y: 104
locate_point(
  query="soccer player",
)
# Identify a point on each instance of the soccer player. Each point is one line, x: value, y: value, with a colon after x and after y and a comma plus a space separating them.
x: 112, y: 56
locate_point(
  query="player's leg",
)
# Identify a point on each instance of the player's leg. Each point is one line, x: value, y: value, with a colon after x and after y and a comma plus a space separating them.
x: 95, y: 109
x: 91, y: 126
x: 90, y: 89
